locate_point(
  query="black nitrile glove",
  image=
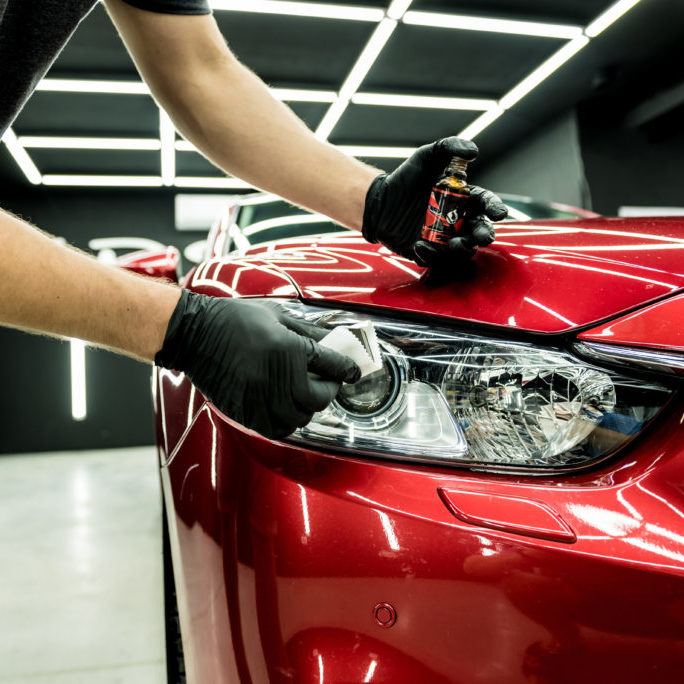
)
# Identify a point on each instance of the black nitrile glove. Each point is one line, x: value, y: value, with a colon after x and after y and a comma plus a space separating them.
x: 250, y: 359
x: 396, y: 204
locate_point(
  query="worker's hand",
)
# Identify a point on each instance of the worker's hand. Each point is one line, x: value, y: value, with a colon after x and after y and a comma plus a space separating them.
x: 251, y: 360
x: 396, y: 204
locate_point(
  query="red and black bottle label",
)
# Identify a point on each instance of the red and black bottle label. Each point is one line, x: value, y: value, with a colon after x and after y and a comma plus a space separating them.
x: 444, y: 217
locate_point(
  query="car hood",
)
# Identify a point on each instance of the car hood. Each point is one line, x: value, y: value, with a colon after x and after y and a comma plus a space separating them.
x: 550, y: 276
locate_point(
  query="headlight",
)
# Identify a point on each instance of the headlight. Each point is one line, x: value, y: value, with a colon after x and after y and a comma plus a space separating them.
x: 450, y: 397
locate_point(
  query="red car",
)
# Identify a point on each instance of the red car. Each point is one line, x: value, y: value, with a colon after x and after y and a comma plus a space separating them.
x: 502, y: 502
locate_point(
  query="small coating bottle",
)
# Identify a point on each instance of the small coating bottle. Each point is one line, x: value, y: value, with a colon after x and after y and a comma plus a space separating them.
x: 448, y: 200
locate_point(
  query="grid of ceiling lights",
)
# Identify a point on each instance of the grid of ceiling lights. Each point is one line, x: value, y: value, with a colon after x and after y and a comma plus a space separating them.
x: 575, y: 38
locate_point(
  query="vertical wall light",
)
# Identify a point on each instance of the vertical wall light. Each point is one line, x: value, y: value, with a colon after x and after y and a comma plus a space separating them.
x: 78, y: 379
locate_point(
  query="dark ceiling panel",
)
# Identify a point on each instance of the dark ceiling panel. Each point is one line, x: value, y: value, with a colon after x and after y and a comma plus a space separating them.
x: 9, y: 171
x: 49, y: 113
x: 95, y: 50
x: 457, y: 63
x: 401, y: 126
x: 295, y: 50
x: 561, y: 11
x: 194, y: 164
x: 310, y: 112
x: 106, y: 162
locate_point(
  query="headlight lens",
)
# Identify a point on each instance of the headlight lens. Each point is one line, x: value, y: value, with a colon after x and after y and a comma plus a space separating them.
x: 444, y: 396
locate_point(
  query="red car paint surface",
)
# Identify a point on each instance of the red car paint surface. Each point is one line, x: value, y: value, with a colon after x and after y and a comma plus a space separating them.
x: 284, y: 555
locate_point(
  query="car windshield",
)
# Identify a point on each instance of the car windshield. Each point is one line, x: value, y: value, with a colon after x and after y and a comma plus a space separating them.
x: 275, y: 220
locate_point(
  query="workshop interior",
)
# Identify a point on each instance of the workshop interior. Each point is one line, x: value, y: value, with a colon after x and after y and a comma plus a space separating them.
x: 499, y: 498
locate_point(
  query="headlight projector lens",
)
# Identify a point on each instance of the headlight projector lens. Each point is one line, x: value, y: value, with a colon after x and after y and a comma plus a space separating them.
x: 373, y: 394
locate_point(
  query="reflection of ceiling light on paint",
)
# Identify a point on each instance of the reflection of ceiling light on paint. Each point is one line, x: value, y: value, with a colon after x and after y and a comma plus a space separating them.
x: 468, y: 23
x: 300, y: 9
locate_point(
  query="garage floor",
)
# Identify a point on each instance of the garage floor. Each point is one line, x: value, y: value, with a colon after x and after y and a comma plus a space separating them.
x: 80, y: 568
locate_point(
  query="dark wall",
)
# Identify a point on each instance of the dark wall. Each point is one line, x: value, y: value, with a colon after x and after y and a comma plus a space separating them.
x: 546, y: 166
x: 35, y: 405
x: 633, y: 166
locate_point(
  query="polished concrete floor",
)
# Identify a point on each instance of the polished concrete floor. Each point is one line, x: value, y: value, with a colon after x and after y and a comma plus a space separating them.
x: 81, y: 596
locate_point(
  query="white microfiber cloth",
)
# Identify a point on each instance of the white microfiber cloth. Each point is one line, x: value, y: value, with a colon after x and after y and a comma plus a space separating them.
x: 359, y: 342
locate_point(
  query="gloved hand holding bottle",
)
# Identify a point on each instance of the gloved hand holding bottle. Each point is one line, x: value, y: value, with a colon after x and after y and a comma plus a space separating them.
x: 396, y: 206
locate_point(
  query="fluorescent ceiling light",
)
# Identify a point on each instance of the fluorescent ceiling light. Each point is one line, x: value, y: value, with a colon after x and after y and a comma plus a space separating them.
x: 482, y: 121
x: 299, y: 95
x: 378, y: 152
x: 73, y: 180
x: 66, y: 143
x: 209, y: 182
x: 185, y: 146
x: 21, y: 157
x: 425, y: 101
x: 359, y: 71
x: 367, y: 58
x: 610, y: 16
x: 301, y: 9
x: 542, y: 72
x: 397, y: 9
x: 468, y: 23
x: 73, y: 85
x: 167, y: 136
x: 78, y: 379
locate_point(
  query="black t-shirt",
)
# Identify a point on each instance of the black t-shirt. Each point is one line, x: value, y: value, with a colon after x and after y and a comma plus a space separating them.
x: 33, y: 32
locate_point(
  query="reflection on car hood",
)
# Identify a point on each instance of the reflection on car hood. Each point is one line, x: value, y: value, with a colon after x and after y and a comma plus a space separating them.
x: 550, y: 276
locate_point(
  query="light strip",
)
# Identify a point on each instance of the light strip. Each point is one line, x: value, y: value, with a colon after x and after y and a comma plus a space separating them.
x: 67, y: 143
x: 398, y: 8
x: 301, y: 9
x: 21, y: 156
x: 74, y: 180
x: 167, y: 136
x: 300, y: 95
x: 425, y: 101
x: 376, y: 151
x: 73, y: 85
x: 482, y: 121
x: 470, y: 23
x: 209, y: 182
x: 610, y: 16
x: 542, y: 72
x: 78, y: 379
x: 359, y: 71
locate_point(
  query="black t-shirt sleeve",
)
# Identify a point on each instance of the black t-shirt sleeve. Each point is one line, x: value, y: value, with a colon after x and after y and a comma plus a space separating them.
x: 172, y: 6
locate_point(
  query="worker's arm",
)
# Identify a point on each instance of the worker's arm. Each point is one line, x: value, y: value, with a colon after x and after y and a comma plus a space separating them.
x: 250, y: 359
x: 230, y: 116
x: 60, y: 291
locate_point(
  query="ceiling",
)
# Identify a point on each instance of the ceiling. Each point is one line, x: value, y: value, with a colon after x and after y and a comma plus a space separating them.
x: 318, y: 55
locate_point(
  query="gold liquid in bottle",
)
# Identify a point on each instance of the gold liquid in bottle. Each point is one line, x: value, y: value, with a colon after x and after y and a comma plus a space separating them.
x: 446, y: 209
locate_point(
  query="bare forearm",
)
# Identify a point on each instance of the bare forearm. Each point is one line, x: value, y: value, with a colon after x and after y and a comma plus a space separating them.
x: 230, y: 115
x: 59, y: 291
